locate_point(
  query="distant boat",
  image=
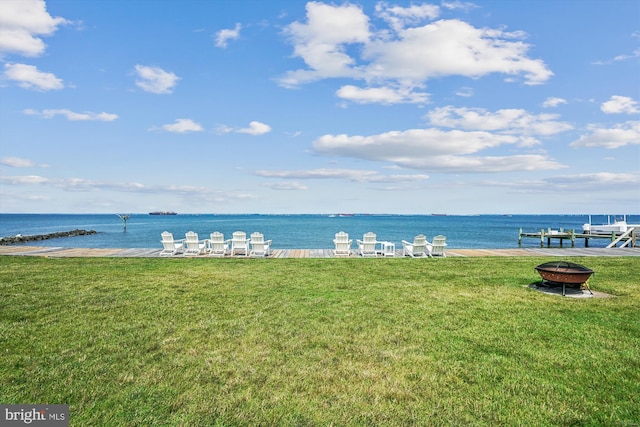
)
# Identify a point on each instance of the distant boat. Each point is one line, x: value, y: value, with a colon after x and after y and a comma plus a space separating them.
x: 344, y: 215
x: 163, y: 213
x: 618, y: 226
x: 438, y: 214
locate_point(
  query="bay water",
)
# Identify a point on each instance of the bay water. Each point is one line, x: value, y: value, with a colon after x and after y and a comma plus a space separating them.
x: 297, y: 231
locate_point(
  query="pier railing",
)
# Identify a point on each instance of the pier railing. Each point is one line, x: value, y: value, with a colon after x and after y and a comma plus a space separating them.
x: 628, y: 238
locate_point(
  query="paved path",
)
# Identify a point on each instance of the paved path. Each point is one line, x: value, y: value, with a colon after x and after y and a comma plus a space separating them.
x: 60, y: 252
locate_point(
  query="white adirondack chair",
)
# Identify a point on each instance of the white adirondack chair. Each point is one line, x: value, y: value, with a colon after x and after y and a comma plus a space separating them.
x: 367, y: 246
x: 417, y: 249
x: 171, y: 246
x: 259, y: 247
x: 343, y: 244
x: 217, y: 245
x: 437, y: 247
x: 239, y: 243
x: 194, y: 246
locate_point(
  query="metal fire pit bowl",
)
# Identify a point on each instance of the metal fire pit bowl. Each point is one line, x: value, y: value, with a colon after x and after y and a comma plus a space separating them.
x: 565, y: 273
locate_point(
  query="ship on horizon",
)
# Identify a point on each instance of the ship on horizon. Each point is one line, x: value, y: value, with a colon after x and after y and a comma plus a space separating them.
x: 163, y: 213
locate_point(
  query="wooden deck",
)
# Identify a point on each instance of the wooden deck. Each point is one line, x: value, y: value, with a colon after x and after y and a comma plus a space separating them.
x: 60, y: 252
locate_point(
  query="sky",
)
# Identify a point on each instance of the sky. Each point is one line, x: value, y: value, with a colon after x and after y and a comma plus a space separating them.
x: 285, y: 107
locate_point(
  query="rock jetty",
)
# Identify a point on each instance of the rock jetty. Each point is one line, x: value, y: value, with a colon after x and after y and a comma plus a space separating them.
x: 19, y: 238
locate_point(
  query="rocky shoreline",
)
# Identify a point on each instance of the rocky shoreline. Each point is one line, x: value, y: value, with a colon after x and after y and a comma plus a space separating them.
x: 19, y: 238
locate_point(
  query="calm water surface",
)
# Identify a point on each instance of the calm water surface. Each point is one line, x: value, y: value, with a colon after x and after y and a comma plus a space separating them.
x: 295, y: 231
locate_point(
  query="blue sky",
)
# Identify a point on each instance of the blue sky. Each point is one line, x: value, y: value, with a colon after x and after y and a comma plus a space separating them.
x: 320, y: 107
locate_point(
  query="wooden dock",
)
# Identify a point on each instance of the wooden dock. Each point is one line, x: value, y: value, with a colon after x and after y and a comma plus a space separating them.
x: 60, y: 252
x: 624, y: 239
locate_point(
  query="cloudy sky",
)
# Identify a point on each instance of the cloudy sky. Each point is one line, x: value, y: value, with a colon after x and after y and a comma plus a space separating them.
x: 280, y: 106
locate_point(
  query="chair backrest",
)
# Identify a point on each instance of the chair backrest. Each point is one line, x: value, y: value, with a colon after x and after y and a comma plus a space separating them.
x: 239, y: 240
x: 439, y: 242
x: 218, y: 245
x: 343, y: 247
x: 257, y: 238
x: 192, y: 241
x: 419, y: 244
x: 369, y: 238
x: 216, y: 237
x: 368, y: 246
x: 419, y: 241
x: 342, y: 237
x: 167, y: 241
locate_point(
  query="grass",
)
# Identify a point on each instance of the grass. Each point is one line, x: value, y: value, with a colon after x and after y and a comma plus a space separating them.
x: 318, y: 342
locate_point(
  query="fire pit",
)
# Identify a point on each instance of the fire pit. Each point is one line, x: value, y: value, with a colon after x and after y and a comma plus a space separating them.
x: 563, y: 272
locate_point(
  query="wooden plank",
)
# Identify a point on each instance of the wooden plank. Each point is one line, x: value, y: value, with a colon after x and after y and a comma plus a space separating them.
x: 314, y: 253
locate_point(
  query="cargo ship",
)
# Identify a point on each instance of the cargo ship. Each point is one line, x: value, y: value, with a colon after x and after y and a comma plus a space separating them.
x: 163, y: 213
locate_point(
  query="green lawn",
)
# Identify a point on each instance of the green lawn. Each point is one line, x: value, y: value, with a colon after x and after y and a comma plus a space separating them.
x: 193, y: 342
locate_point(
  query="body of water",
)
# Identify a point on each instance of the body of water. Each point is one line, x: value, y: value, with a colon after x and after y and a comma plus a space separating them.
x: 296, y: 231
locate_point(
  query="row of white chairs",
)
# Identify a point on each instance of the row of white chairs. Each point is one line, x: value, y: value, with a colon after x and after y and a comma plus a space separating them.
x: 371, y: 246
x: 216, y: 245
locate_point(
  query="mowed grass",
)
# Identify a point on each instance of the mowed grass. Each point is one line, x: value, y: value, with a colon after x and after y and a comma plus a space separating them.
x: 397, y: 342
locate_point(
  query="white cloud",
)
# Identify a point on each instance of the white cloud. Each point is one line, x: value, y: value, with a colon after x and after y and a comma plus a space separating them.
x: 622, y: 134
x: 452, y: 5
x: 183, y: 126
x: 73, y: 116
x: 321, y: 41
x: 17, y: 162
x: 21, y: 22
x: 452, y: 47
x: 222, y: 129
x: 433, y: 149
x: 595, y: 180
x: 381, y: 95
x: 286, y: 186
x: 553, y: 102
x: 398, y: 17
x: 353, y: 175
x: 509, y: 121
x: 256, y: 128
x: 88, y: 185
x: 620, y: 104
x: 465, y: 92
x: 225, y: 35
x: 155, y: 79
x: 29, y: 77
x: 338, y: 42
x: 24, y: 179
x: 623, y: 57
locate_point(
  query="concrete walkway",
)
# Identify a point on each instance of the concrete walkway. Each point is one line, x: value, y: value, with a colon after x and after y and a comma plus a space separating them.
x: 60, y: 252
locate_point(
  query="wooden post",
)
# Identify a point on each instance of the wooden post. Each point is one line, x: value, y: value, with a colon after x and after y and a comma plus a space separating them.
x: 542, y: 238
x: 573, y: 238
x: 124, y: 219
x: 520, y: 237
